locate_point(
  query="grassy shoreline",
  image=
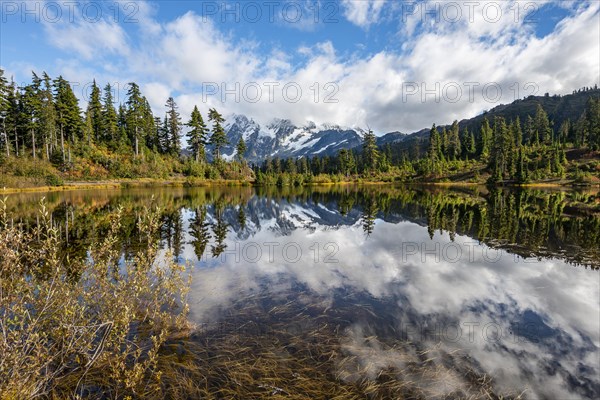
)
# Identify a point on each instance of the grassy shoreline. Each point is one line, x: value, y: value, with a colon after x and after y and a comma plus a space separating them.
x: 183, y: 182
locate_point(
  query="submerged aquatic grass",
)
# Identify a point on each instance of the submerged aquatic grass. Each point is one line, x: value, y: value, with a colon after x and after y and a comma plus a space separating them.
x: 114, y: 325
x: 299, y: 348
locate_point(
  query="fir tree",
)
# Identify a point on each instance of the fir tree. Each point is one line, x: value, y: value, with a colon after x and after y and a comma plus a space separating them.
x: 197, y: 135
x: 241, y: 150
x: 218, y: 139
x: 109, y: 125
x: 434, y: 150
x: 454, y: 145
x: 68, y: 112
x: 94, y: 111
x: 135, y: 116
x: 370, y: 152
x: 486, y: 139
x: 542, y: 126
x: 174, y: 127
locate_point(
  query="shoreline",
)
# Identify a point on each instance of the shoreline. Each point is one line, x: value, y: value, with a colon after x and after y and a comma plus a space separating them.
x: 176, y: 182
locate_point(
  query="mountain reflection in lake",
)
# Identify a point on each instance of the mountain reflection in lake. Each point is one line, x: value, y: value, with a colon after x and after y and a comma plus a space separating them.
x: 390, y: 291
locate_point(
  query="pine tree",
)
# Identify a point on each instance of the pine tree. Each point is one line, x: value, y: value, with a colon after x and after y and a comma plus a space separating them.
x: 530, y: 135
x: 4, y: 111
x: 197, y: 135
x: 290, y: 166
x: 135, y: 116
x: 94, y: 111
x: 468, y: 144
x: 10, y: 121
x: 88, y: 126
x: 542, y: 125
x: 486, y: 139
x: 48, y: 116
x: 517, y: 132
x: 157, y: 134
x: 218, y: 139
x: 501, y: 151
x: 241, y: 150
x: 31, y: 109
x: 69, y: 115
x: 109, y: 125
x: 174, y: 127
x: 444, y: 144
x: 370, y: 152
x: 454, y: 145
x: 592, y: 111
x: 346, y: 161
x: 564, y: 132
x: 163, y: 138
x: 434, y: 150
x: 522, y: 172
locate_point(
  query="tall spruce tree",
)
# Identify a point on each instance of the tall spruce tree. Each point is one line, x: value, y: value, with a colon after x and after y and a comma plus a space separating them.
x: 135, y: 116
x: 94, y: 111
x: 370, y: 151
x: 109, y: 125
x: 48, y: 116
x: 485, y: 140
x: 241, y: 151
x: 218, y: 139
x: 197, y: 135
x: 174, y: 127
x: 67, y: 107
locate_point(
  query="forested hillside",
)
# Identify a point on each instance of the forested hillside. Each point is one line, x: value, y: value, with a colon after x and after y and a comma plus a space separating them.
x: 544, y: 138
x: 46, y: 138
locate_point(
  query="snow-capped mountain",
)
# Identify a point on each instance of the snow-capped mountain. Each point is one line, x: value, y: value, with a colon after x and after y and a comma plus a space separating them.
x: 281, y: 138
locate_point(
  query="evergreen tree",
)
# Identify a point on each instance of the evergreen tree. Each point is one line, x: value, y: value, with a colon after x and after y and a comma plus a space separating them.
x: 501, y: 150
x: 564, y: 132
x: 542, y: 125
x: 48, y: 117
x: 163, y: 137
x: 522, y: 172
x: 30, y: 112
x: 592, y: 111
x: 135, y: 116
x: 67, y: 108
x: 241, y: 150
x: 218, y: 139
x: 4, y: 111
x: 468, y: 144
x: 517, y: 132
x: 109, y: 125
x: 346, y: 161
x: 197, y: 135
x: 454, y: 145
x: 530, y: 134
x: 486, y: 139
x: 10, y: 119
x: 174, y: 127
x: 370, y: 152
x: 290, y: 166
x: 434, y: 150
x: 94, y: 112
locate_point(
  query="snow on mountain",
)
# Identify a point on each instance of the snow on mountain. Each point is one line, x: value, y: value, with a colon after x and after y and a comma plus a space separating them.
x: 281, y: 138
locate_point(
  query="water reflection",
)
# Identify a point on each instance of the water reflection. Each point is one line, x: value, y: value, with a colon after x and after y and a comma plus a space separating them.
x: 485, y: 289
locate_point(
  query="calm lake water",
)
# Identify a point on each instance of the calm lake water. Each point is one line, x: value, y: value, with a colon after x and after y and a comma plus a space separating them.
x: 444, y: 291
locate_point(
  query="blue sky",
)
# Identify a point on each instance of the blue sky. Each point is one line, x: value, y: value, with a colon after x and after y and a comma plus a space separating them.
x: 392, y: 65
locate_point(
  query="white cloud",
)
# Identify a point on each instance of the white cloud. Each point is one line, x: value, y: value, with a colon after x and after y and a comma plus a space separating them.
x: 364, y: 12
x: 91, y: 32
x: 179, y: 57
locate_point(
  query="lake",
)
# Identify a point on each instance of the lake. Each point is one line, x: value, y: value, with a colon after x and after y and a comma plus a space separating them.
x: 387, y: 290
